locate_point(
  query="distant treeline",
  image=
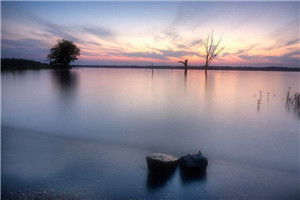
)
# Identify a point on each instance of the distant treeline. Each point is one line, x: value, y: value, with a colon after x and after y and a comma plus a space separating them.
x: 242, y: 68
x: 21, y: 64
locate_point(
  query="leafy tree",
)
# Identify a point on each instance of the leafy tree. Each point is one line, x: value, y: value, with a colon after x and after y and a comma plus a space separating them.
x: 63, y: 53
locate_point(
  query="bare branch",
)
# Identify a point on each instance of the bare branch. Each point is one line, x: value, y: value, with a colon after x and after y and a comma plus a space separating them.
x: 212, y: 50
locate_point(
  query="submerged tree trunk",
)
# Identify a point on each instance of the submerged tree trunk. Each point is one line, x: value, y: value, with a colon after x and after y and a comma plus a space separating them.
x: 185, y: 63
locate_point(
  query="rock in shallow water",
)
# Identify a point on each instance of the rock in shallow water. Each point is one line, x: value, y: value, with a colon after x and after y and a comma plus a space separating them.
x: 161, y: 162
x: 193, y: 163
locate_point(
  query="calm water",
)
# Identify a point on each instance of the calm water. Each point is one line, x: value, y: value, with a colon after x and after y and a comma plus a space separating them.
x: 85, y: 133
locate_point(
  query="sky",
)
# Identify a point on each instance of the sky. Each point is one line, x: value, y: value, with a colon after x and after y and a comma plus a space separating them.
x: 255, y: 34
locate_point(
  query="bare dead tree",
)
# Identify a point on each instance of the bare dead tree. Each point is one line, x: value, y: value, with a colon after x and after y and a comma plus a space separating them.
x: 185, y: 63
x: 212, y: 49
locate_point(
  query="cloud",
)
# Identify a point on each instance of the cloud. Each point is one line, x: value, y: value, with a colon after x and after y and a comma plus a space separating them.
x: 177, y: 54
x: 22, y: 43
x: 243, y: 51
x: 86, y: 53
x: 195, y: 43
x: 55, y: 29
x: 240, y: 51
x: 94, y: 43
x: 144, y: 55
x: 41, y: 34
x: 168, y: 35
x: 159, y: 54
x: 292, y: 42
x: 190, y: 44
x: 248, y: 58
x: 226, y: 54
x: 288, y: 59
x: 283, y: 42
x: 286, y: 35
x: 74, y: 33
x: 24, y: 48
x: 99, y: 31
x: 195, y: 14
x: 175, y: 40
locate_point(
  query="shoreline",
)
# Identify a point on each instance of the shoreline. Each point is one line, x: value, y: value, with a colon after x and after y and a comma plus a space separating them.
x: 22, y: 64
x: 265, y: 69
x: 212, y: 68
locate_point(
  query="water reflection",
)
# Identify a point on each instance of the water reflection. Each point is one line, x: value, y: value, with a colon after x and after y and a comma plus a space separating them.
x: 65, y: 79
x: 156, y: 180
x: 126, y: 107
x: 294, y: 108
x: 65, y: 82
x: 13, y: 72
x: 190, y: 177
x: 259, y: 100
x: 258, y: 104
x: 185, y: 82
x: 293, y: 103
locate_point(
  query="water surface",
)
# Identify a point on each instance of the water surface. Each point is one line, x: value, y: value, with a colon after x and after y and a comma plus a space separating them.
x: 86, y: 132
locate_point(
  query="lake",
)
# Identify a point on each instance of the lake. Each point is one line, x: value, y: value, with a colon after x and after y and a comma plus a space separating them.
x: 85, y: 133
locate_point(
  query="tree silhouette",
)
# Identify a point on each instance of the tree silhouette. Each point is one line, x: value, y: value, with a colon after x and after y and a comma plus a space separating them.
x: 63, y: 53
x: 212, y: 50
x: 185, y: 63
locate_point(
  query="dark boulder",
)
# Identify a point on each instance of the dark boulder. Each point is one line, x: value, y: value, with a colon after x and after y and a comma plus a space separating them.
x: 161, y: 162
x: 193, y: 163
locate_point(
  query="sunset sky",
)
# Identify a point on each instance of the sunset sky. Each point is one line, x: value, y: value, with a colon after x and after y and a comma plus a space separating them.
x: 141, y: 33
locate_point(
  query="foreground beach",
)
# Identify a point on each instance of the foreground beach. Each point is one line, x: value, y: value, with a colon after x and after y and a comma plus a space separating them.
x: 43, y: 166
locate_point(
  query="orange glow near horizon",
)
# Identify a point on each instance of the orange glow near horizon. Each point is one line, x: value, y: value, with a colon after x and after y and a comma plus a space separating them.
x: 146, y: 48
x: 142, y: 35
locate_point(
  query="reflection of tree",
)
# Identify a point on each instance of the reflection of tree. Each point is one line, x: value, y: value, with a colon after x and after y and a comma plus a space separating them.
x: 13, y: 72
x: 66, y: 80
x: 185, y: 80
x: 209, y: 89
x: 293, y: 103
x: 259, y: 100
